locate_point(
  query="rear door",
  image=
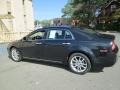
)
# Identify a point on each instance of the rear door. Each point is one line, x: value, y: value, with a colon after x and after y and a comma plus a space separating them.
x: 57, y: 44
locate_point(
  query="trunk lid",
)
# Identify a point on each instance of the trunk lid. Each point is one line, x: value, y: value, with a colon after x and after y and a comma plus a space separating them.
x: 107, y: 36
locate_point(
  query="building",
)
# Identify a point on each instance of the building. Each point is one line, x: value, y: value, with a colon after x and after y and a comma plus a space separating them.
x: 16, y: 19
x: 108, y: 11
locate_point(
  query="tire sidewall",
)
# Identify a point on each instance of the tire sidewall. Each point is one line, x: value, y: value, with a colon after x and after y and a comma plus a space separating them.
x: 20, y: 55
x: 87, y: 60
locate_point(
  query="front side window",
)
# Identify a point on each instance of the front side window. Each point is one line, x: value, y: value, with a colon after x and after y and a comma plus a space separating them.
x: 37, y: 35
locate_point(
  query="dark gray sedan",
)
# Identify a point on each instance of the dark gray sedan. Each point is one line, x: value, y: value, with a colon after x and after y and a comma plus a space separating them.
x: 80, y: 48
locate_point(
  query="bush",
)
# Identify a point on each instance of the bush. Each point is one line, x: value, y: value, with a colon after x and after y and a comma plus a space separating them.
x: 100, y: 26
x: 109, y: 26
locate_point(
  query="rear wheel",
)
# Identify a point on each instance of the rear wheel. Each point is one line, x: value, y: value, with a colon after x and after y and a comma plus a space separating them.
x: 79, y: 63
x: 15, y: 55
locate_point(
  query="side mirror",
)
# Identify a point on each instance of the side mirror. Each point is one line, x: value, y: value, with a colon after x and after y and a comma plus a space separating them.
x: 24, y: 38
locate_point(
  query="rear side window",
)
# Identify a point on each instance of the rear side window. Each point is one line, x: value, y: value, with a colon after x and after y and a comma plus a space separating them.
x: 59, y: 34
x: 56, y: 34
x: 68, y: 35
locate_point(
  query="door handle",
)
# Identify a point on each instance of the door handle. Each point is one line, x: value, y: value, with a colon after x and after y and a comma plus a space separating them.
x: 38, y: 43
x: 66, y: 43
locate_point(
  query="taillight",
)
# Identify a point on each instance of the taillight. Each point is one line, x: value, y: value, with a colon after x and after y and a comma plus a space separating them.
x: 113, y: 45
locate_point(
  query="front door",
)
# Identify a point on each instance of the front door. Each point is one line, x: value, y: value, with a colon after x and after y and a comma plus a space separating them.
x: 33, y: 47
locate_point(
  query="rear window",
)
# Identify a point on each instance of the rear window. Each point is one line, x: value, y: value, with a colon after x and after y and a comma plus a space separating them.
x: 86, y: 34
x: 88, y: 31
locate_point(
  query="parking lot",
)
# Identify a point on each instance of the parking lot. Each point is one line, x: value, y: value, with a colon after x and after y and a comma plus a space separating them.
x: 32, y: 75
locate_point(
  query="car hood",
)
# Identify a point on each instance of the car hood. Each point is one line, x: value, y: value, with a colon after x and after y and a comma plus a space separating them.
x: 13, y: 43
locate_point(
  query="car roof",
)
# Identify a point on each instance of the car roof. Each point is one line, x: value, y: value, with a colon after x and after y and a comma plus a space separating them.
x: 62, y: 27
x: 56, y: 27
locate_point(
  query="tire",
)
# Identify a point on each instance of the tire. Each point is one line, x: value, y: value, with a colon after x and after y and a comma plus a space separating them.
x: 79, y: 63
x: 15, y: 55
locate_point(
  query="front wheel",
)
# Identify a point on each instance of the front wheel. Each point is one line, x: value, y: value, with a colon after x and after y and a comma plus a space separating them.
x: 79, y: 63
x: 15, y: 55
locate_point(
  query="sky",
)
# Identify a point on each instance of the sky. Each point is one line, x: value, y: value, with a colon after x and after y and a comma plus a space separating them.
x: 48, y: 9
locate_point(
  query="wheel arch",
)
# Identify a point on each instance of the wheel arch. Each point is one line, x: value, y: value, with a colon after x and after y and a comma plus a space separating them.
x: 10, y: 55
x: 83, y: 52
x: 16, y: 48
x: 12, y: 47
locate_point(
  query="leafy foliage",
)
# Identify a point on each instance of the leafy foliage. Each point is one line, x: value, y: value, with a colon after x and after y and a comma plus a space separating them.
x: 84, y: 10
x: 43, y: 22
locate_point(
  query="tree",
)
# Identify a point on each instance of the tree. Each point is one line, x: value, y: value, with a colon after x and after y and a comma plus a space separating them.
x: 43, y: 22
x: 116, y: 15
x: 84, y: 10
x: 68, y: 10
x: 36, y: 22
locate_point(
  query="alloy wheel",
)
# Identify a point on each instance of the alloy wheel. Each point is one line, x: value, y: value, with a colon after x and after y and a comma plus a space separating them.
x: 15, y: 54
x: 79, y: 64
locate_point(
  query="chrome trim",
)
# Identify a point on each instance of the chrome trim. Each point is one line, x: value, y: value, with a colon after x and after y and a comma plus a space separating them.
x: 66, y: 43
x: 39, y: 43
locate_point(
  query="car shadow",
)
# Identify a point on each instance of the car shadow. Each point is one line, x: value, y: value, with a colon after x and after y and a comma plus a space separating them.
x: 97, y: 70
x: 46, y: 63
x: 60, y: 65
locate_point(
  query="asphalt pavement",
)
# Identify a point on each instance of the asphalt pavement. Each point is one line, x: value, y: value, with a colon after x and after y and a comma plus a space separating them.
x: 32, y: 75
